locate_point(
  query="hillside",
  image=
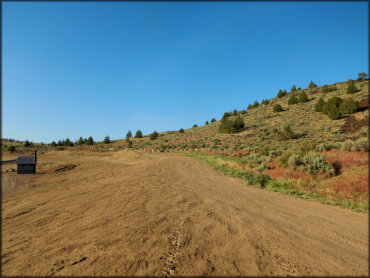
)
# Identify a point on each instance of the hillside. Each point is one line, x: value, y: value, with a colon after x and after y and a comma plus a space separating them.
x: 322, y: 158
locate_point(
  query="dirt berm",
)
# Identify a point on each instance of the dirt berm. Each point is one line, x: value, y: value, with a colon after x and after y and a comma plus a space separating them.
x: 137, y: 213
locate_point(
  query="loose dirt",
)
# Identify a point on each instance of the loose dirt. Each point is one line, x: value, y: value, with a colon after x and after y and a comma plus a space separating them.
x: 138, y: 213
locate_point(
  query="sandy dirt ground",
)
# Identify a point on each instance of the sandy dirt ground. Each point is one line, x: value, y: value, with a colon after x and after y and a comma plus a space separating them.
x: 138, y: 213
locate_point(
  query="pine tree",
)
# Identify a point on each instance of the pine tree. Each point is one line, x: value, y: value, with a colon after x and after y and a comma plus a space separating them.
x: 281, y: 94
x: 195, y: 125
x: 153, y: 136
x: 67, y: 142
x: 255, y: 104
x: 213, y: 120
x: 53, y: 144
x: 129, y: 134
x: 351, y: 87
x: 293, y: 89
x: 90, y: 141
x: 334, y: 113
x: 348, y: 106
x: 106, y: 140
x: 139, y: 134
x: 206, y: 123
x: 80, y: 141
x: 181, y: 130
x: 312, y: 85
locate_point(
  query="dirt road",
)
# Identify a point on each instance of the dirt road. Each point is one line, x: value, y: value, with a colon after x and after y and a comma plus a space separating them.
x: 137, y: 213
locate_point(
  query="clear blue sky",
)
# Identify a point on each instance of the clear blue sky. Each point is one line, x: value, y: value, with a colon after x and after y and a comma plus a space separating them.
x: 75, y: 69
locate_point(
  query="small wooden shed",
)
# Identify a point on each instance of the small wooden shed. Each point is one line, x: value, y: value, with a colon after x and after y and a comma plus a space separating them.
x: 26, y: 164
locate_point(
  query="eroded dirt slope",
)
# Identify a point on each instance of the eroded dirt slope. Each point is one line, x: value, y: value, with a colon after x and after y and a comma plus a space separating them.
x: 137, y: 213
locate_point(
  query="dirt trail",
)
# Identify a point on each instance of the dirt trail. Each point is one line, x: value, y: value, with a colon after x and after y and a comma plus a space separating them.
x: 137, y: 213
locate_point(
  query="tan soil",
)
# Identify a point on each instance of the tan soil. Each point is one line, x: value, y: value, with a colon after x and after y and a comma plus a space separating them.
x: 137, y: 213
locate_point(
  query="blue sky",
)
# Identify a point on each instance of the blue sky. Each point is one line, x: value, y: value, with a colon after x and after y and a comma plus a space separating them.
x: 73, y: 69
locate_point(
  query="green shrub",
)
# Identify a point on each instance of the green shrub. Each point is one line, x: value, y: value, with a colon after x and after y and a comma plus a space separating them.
x: 181, y: 130
x: 292, y: 100
x: 261, y: 180
x: 277, y: 108
x: 231, y: 124
x: 138, y: 134
x: 361, y: 145
x: 351, y: 87
x: 327, y: 89
x: 106, y: 140
x: 213, y: 120
x: 319, y: 105
x: 315, y: 164
x: 302, y: 97
x: 283, y: 159
x: 334, y: 113
x: 312, y: 85
x: 334, y: 101
x: 195, y: 125
x: 265, y: 101
x: 153, y: 136
x: 285, y: 133
x: 281, y: 94
x: 294, y: 160
x: 348, y: 106
x: 11, y: 149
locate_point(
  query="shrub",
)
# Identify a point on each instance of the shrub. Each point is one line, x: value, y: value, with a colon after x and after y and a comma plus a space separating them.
x: 11, y: 149
x: 255, y: 104
x: 261, y: 180
x: 90, y: 141
x: 334, y: 113
x: 153, y: 136
x: 312, y: 85
x: 53, y: 144
x: 315, y: 164
x: 195, y: 125
x: 361, y: 145
x: 293, y: 89
x: 265, y: 151
x: 250, y: 106
x: 348, y: 106
x: 284, y: 133
x: 283, y: 159
x: 294, y: 160
x: 213, y: 120
x: 281, y: 94
x: 27, y: 143
x: 351, y: 87
x: 302, y: 97
x: 106, y: 140
x: 334, y: 101
x: 128, y: 134
x: 206, y: 123
x: 327, y: 89
x: 319, y: 105
x: 129, y: 144
x: 292, y: 100
x: 181, y: 130
x: 235, y: 112
x: 277, y: 108
x: 265, y: 101
x: 231, y: 124
x: 138, y: 134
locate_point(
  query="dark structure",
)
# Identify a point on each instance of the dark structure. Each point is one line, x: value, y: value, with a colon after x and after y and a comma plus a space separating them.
x: 26, y: 164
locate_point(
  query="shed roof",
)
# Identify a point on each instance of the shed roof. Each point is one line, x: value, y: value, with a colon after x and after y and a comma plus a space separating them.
x: 26, y: 160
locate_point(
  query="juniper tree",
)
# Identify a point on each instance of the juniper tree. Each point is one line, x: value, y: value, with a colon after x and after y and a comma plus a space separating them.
x: 138, y: 134
x: 153, y: 136
x: 351, y: 87
x: 90, y: 141
x: 213, y: 120
x: 312, y: 85
x: 277, y: 108
x: 106, y: 140
x: 293, y: 89
x: 292, y: 100
x: 128, y: 134
x: 302, y: 97
x: 319, y: 105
